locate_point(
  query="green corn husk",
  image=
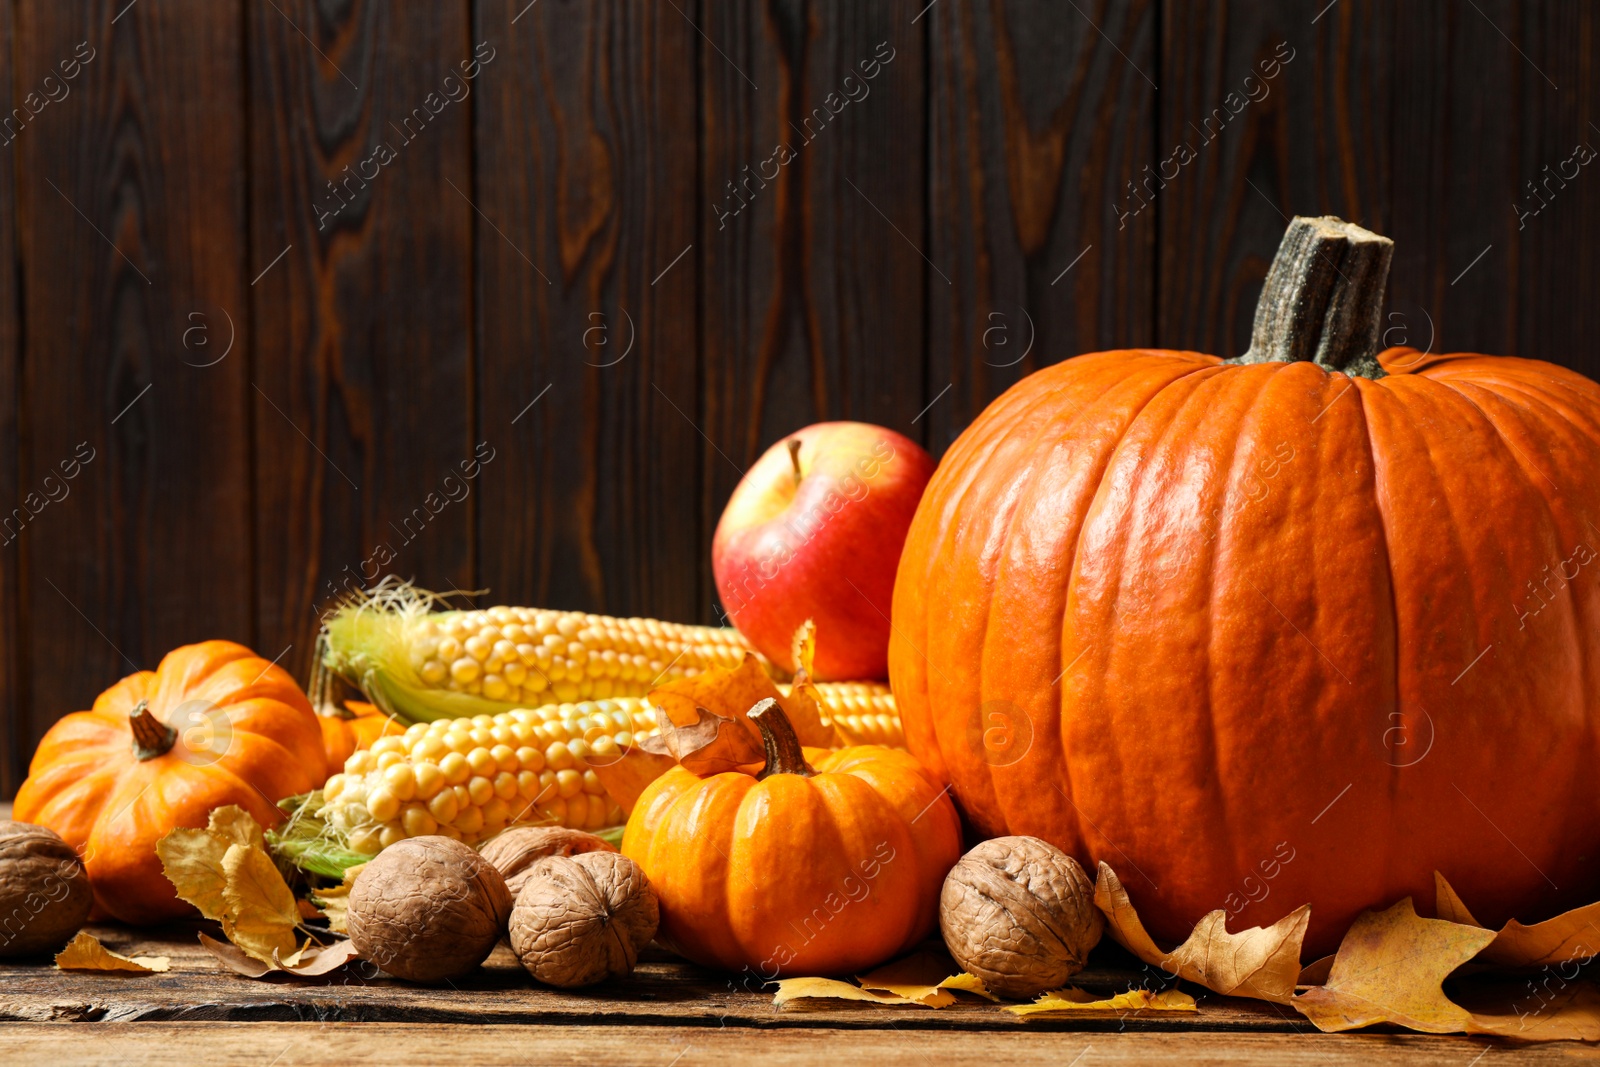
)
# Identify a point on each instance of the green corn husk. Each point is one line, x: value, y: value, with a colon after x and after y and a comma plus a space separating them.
x: 366, y: 642
x: 369, y: 640
x: 308, y: 843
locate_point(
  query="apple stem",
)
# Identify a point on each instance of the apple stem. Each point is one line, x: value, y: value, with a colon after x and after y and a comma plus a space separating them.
x: 794, y: 457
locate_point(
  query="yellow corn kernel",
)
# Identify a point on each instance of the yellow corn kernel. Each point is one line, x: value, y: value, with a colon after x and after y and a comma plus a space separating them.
x: 443, y: 806
x: 455, y: 768
x: 430, y: 779
x: 382, y: 804
x: 479, y: 789
x: 417, y: 821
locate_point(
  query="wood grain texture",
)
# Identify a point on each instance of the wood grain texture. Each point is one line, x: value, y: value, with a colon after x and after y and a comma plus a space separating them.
x: 15, y: 744
x: 1282, y: 113
x: 1491, y: 211
x: 1039, y: 115
x: 664, y: 990
x: 342, y: 1044
x: 360, y: 149
x: 814, y: 261
x: 586, y: 285
x: 131, y: 220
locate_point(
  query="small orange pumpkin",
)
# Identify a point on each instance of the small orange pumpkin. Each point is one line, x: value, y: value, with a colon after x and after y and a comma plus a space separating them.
x: 352, y: 729
x: 817, y: 863
x: 214, y: 724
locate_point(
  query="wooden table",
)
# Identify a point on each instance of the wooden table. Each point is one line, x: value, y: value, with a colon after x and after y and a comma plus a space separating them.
x: 667, y: 1013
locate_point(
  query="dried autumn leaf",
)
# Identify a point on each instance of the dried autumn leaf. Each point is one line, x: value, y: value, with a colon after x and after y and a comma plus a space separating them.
x: 1133, y: 1000
x: 1549, y: 1007
x: 85, y: 953
x: 968, y: 983
x: 313, y: 960
x: 1316, y: 972
x: 310, y: 961
x: 1572, y: 935
x: 1261, y: 962
x: 803, y: 650
x: 829, y: 988
x: 1391, y: 967
x: 262, y: 914
x: 925, y: 977
x: 234, y: 958
x: 711, y: 747
x: 626, y: 777
x: 335, y: 901
x: 192, y: 862
x: 236, y: 826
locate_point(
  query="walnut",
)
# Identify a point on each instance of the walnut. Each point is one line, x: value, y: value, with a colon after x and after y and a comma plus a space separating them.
x: 44, y: 890
x: 582, y: 919
x: 516, y: 850
x: 1019, y: 913
x: 427, y: 909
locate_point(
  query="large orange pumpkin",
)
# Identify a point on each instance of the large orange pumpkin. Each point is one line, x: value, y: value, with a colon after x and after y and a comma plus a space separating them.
x: 1275, y: 630
x: 816, y: 863
x: 213, y: 725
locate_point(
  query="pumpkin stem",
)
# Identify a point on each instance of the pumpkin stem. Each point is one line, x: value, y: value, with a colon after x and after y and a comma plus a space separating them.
x: 794, y: 457
x: 151, y: 736
x: 1323, y: 298
x: 784, y: 754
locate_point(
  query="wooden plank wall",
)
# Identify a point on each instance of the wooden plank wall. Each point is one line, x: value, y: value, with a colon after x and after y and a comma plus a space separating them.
x: 503, y: 294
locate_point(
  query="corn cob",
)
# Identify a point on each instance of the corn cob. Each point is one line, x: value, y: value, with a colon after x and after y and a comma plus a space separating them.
x: 422, y: 664
x: 470, y: 778
x: 863, y: 713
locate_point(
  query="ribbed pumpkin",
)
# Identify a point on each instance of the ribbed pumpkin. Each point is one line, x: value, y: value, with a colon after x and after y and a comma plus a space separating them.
x: 1304, y: 626
x: 817, y: 863
x: 214, y: 724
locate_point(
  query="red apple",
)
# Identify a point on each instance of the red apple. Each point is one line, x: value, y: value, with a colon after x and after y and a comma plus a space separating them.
x: 814, y: 531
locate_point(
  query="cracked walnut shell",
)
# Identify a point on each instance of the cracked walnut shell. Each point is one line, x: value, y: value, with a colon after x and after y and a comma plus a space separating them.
x: 44, y: 890
x: 427, y: 909
x: 582, y: 919
x: 1019, y: 913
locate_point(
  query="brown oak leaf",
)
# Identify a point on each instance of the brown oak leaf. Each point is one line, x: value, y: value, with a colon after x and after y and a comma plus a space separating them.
x: 1572, y: 935
x: 1261, y: 962
x: 1390, y: 968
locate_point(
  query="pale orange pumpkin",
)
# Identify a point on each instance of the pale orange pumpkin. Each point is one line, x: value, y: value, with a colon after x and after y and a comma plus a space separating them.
x: 213, y: 725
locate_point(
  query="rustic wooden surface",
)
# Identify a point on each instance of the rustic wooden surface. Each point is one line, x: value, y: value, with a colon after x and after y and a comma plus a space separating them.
x: 665, y: 1008
x: 340, y: 1044
x: 894, y: 271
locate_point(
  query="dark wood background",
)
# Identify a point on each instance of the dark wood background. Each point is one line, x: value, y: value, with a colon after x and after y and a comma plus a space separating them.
x: 551, y: 266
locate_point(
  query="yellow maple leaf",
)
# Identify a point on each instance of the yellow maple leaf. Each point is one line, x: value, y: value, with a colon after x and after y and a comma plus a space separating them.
x: 262, y: 914
x: 1391, y: 967
x: 1262, y: 962
x: 85, y: 953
